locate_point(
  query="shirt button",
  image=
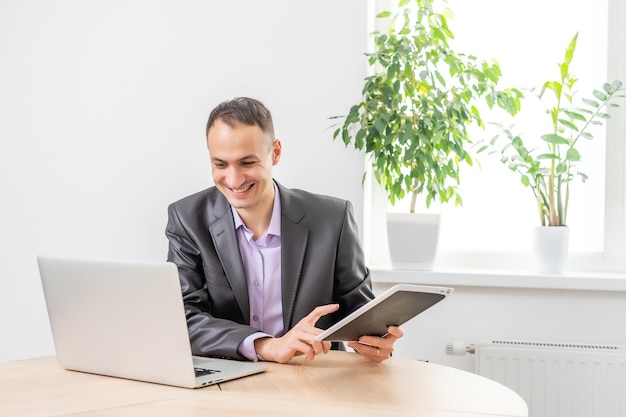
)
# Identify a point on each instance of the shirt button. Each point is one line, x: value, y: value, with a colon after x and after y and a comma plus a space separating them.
x: 255, y: 318
x: 256, y: 283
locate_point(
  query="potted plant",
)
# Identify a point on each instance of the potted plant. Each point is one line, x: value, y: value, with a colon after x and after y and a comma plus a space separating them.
x: 413, y: 117
x: 548, y: 169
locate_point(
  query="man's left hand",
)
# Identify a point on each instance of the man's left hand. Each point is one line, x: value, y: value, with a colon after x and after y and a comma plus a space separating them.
x: 377, y: 349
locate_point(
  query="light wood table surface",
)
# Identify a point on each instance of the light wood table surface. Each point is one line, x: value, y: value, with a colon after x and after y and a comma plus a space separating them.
x: 337, y: 384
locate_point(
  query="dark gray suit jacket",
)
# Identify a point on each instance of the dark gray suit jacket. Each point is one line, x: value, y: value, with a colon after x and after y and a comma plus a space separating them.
x: 322, y: 262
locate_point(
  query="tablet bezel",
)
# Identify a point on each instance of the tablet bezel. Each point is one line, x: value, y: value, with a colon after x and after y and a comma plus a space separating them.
x: 380, y: 303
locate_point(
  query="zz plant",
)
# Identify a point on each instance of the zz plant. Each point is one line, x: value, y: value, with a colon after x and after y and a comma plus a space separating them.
x: 413, y: 118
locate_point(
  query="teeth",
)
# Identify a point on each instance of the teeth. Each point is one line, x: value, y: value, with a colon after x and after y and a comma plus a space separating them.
x: 241, y: 190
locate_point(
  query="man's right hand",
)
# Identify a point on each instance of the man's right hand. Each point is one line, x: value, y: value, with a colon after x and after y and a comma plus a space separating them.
x: 300, y: 340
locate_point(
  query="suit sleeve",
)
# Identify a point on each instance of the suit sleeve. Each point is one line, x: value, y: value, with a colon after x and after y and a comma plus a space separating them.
x: 209, y: 335
x: 353, y: 286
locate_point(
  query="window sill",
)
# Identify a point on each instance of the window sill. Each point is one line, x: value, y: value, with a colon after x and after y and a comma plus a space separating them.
x: 579, y: 281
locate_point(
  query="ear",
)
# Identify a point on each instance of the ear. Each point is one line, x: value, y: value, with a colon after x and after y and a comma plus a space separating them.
x: 277, y: 149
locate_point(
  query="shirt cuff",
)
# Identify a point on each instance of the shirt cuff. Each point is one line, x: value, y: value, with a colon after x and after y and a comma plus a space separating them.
x: 246, y: 347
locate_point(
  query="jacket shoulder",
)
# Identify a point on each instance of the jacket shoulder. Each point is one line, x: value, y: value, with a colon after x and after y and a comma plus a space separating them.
x: 309, y: 199
x: 208, y: 200
x: 200, y: 197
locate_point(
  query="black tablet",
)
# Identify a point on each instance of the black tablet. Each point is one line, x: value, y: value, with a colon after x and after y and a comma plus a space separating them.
x: 394, y: 307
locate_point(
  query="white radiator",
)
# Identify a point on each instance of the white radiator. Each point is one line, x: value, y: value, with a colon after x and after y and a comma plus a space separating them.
x: 559, y: 380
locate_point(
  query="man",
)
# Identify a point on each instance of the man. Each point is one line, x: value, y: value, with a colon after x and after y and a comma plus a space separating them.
x: 262, y: 265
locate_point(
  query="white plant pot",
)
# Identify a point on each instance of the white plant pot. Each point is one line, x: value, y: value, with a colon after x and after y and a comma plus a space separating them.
x: 551, y: 248
x: 412, y: 239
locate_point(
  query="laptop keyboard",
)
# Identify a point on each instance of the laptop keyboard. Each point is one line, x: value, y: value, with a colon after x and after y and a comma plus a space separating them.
x: 203, y: 371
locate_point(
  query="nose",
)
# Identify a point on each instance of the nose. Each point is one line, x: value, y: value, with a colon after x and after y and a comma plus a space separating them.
x: 234, y: 177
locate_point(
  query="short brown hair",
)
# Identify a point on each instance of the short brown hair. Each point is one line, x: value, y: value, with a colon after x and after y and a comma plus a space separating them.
x: 244, y: 110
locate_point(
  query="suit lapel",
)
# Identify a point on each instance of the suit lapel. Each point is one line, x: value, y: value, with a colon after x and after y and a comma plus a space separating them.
x: 222, y: 229
x: 294, y: 239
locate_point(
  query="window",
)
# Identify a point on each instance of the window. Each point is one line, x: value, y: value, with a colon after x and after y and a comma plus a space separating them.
x: 493, y: 229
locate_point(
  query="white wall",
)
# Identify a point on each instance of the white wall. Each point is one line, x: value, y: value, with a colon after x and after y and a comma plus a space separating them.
x: 102, y: 113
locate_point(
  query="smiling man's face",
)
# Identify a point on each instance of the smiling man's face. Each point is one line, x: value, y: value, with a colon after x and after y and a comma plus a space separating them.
x: 242, y: 158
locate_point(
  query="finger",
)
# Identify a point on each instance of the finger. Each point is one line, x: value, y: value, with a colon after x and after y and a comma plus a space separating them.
x: 306, y: 331
x: 319, y: 312
x: 303, y: 348
x: 393, y: 333
x: 378, y: 342
x: 369, y: 352
x: 311, y: 350
x: 386, y: 341
x: 317, y: 347
x: 326, y: 346
x: 309, y: 347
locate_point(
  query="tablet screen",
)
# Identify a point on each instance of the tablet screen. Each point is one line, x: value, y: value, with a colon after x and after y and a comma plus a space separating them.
x: 395, y: 307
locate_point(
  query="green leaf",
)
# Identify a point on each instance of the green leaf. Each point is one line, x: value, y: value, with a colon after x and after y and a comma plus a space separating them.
x: 564, y: 67
x: 568, y: 124
x: 575, y: 115
x: 572, y: 155
x: 591, y: 103
x: 617, y: 85
x: 608, y: 88
x: 440, y: 78
x: 392, y: 71
x: 525, y: 180
x: 439, y: 34
x: 358, y: 140
x: 345, y: 137
x: 555, y: 139
x: 569, y: 52
x: 408, y: 71
x: 353, y: 116
x: 600, y: 95
x: 379, y: 126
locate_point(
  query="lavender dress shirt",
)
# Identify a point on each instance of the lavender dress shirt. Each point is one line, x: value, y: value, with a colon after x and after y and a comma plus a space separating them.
x: 261, y: 260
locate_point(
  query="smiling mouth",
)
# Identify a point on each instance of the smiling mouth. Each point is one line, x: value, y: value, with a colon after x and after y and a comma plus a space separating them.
x: 241, y: 190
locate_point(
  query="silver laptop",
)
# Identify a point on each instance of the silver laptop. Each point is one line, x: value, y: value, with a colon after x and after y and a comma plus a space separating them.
x: 126, y: 319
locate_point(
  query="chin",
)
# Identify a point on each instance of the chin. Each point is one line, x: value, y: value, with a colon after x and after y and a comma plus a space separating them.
x: 240, y: 203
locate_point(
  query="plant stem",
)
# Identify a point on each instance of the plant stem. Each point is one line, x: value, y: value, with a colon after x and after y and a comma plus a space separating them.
x: 542, y: 217
x: 564, y: 217
x: 413, y: 197
x: 553, y: 216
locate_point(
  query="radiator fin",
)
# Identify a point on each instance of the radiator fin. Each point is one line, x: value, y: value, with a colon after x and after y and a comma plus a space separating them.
x: 559, y: 379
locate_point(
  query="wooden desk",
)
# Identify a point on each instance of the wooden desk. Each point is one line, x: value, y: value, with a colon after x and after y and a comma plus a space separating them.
x: 340, y: 383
